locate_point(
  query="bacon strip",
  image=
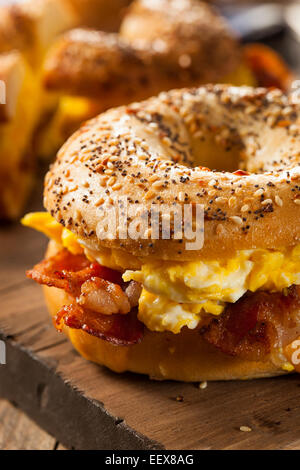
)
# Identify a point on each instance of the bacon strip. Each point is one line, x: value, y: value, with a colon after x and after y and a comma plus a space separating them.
x: 120, y: 330
x: 91, y: 284
x: 68, y: 272
x: 103, y: 297
x: 256, y: 324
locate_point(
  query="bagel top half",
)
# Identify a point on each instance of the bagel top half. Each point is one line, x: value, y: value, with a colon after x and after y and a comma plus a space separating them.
x: 160, y: 151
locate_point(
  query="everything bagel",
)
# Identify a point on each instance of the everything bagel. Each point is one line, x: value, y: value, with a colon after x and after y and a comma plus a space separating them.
x: 227, y: 310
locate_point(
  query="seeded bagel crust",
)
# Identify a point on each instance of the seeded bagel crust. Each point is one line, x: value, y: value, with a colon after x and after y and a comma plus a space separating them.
x: 146, y: 151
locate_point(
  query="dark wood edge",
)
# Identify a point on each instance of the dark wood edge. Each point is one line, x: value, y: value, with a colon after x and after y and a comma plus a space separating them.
x: 76, y: 421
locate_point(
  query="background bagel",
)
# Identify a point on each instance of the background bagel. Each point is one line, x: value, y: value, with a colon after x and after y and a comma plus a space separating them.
x: 101, y: 14
x: 161, y: 45
x: 145, y: 152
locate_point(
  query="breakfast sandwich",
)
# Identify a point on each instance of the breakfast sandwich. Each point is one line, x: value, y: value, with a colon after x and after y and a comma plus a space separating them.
x: 175, y: 236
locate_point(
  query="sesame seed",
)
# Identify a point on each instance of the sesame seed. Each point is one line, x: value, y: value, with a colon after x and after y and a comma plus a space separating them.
x: 232, y: 201
x: 203, y: 385
x: 157, y: 184
x: 99, y: 202
x: 117, y: 186
x: 245, y: 429
x: 149, y: 195
x: 153, y: 178
x: 266, y: 202
x: 259, y: 192
x: 220, y: 229
x: 103, y: 181
x: 221, y: 200
x: 238, y: 191
x: 181, y: 196
x: 236, y: 220
x: 179, y: 398
x: 111, y: 181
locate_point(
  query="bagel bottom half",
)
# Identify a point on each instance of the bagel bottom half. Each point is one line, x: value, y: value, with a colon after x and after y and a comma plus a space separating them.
x: 162, y: 356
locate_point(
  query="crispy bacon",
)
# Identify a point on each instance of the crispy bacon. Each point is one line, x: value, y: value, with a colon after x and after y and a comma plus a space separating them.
x: 101, y: 306
x: 269, y: 69
x: 104, y: 297
x: 133, y: 292
x: 68, y: 272
x: 256, y: 324
x: 120, y: 330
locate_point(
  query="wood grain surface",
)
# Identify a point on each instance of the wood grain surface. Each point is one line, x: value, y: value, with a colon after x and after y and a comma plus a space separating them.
x: 87, y: 406
x: 18, y: 432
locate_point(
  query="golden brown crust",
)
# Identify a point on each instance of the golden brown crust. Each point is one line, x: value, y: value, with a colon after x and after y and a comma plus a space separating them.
x: 163, y: 356
x: 92, y: 63
x: 101, y: 14
x: 141, y: 152
x: 176, y: 44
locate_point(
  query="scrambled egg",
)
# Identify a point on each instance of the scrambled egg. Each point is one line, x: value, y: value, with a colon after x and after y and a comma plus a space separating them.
x: 71, y: 112
x: 159, y: 313
x: 45, y: 223
x: 197, y: 286
x: 176, y: 294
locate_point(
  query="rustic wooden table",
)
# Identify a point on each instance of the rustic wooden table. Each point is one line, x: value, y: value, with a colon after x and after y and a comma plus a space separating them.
x: 18, y: 432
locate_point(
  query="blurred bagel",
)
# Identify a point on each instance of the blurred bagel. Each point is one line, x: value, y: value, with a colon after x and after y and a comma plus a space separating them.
x: 161, y: 45
x: 101, y: 14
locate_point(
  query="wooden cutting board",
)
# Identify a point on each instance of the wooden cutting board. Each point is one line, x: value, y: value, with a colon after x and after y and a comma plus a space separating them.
x: 88, y: 407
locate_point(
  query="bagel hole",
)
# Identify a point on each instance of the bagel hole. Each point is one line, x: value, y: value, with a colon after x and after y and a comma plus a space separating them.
x: 216, y: 156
